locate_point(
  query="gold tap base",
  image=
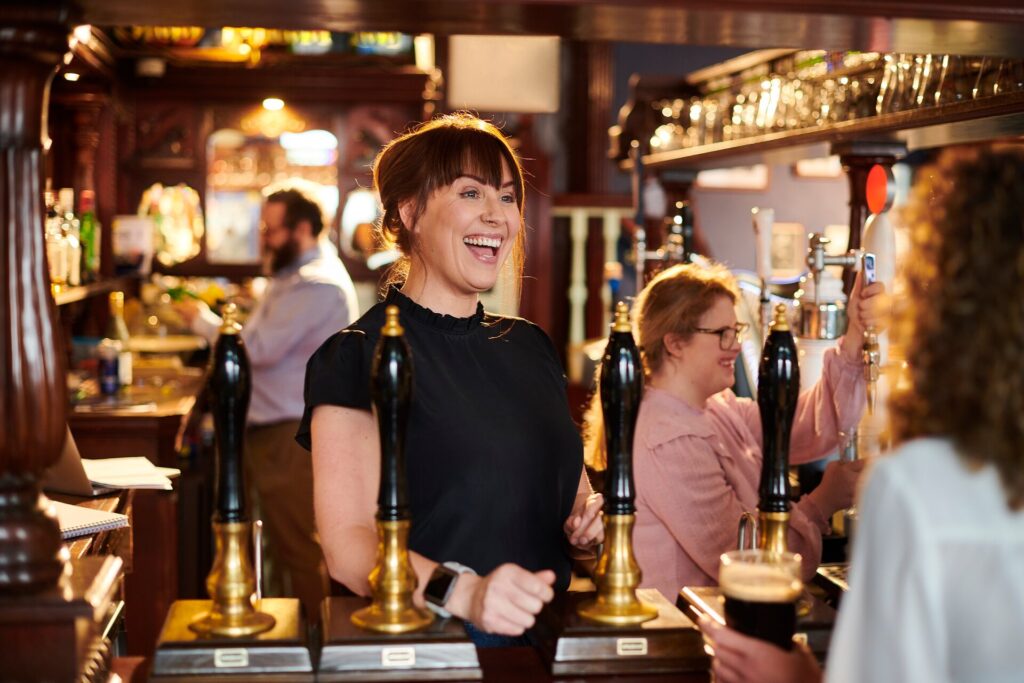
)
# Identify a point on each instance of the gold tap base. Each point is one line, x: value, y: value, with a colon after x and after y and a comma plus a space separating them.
x: 218, y: 624
x: 231, y: 585
x: 374, y: 618
x: 772, y: 531
x: 628, y: 614
x: 617, y: 577
x: 392, y: 583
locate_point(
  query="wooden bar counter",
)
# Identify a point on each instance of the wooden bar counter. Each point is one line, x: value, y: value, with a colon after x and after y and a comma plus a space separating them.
x: 170, y: 532
x: 499, y: 664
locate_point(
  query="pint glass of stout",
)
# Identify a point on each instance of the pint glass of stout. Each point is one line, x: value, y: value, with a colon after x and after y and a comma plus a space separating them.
x: 761, y: 591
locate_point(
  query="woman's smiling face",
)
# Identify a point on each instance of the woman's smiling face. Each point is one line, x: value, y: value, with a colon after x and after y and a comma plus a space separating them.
x: 466, y: 231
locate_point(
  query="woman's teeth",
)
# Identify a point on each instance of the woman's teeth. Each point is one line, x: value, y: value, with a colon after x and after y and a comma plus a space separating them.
x: 493, y: 242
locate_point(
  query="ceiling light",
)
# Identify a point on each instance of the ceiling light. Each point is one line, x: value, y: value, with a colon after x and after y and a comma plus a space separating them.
x: 71, y: 76
x: 83, y: 33
x: 273, y: 104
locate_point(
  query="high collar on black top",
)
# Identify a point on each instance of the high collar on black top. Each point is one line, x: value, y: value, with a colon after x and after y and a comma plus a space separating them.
x: 439, y: 321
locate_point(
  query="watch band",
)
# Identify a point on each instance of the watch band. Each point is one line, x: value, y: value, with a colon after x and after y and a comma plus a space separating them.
x: 441, y: 585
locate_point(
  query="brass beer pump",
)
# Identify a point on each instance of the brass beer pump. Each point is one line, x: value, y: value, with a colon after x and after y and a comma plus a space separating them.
x: 777, y: 391
x: 618, y: 574
x: 392, y: 580
x: 231, y: 582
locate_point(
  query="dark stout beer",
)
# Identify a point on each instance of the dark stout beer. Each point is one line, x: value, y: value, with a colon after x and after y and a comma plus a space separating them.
x: 761, y: 591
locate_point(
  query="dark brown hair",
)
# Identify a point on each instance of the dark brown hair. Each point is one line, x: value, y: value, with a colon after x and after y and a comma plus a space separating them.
x: 671, y: 303
x: 298, y: 207
x: 962, y: 325
x: 432, y: 156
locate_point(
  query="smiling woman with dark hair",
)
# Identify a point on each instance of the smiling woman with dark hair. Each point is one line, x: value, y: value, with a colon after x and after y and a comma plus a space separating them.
x: 497, y: 491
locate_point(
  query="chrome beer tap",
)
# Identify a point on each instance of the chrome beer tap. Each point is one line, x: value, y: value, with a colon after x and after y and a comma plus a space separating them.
x: 818, y: 260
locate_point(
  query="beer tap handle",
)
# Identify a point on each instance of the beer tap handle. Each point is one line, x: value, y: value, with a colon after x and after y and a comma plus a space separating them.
x: 778, y: 387
x: 230, y: 387
x: 871, y: 349
x: 640, y: 214
x: 764, y: 220
x: 816, y: 260
x: 621, y: 390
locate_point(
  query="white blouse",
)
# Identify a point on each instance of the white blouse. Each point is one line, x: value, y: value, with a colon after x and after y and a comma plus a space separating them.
x: 936, y: 576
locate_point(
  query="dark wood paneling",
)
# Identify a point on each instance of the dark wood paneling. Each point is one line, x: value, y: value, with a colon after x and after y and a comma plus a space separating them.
x: 986, y: 27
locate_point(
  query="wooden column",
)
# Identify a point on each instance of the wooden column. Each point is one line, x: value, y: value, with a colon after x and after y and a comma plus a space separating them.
x: 33, y: 398
x: 857, y: 159
x: 590, y: 113
x: 86, y: 116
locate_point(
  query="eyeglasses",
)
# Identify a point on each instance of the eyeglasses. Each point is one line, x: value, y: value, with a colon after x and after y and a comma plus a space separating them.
x: 726, y: 335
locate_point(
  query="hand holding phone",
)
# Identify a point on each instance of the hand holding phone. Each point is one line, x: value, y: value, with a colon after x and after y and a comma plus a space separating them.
x: 869, y: 268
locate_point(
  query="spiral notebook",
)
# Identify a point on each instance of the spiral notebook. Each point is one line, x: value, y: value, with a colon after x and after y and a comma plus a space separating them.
x: 76, y: 520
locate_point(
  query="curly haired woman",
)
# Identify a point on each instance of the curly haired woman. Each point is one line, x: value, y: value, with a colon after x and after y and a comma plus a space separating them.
x: 935, y: 581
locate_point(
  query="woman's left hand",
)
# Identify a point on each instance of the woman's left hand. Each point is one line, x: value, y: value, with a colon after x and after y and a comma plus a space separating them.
x: 585, y: 527
x: 869, y: 306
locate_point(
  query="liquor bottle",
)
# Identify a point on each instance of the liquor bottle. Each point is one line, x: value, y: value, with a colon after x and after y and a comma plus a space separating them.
x: 56, y: 246
x: 70, y: 228
x: 90, y: 236
x: 117, y: 330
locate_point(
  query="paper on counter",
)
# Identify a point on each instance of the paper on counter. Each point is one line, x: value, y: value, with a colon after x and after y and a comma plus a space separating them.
x: 129, y: 473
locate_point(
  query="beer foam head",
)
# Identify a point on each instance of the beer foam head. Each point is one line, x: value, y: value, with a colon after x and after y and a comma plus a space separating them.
x: 759, y: 582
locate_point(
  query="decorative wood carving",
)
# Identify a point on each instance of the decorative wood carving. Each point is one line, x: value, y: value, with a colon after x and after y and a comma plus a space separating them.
x: 167, y: 131
x: 87, y: 141
x: 32, y: 362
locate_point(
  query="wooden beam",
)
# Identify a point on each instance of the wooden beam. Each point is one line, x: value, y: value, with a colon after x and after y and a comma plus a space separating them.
x: 990, y: 27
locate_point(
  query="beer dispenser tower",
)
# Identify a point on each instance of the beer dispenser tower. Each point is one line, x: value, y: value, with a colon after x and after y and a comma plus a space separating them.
x: 392, y: 638
x: 618, y: 575
x: 393, y: 579
x: 620, y: 628
x: 778, y: 387
x: 228, y: 634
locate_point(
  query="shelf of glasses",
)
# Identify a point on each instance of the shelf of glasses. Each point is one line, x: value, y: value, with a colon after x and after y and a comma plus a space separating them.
x: 945, y: 118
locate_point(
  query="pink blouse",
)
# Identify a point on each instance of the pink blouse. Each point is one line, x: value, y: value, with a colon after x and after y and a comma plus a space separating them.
x: 697, y: 472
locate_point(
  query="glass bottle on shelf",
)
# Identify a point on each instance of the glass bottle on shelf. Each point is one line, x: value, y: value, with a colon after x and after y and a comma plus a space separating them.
x: 90, y: 235
x: 117, y: 330
x: 56, y: 246
x: 70, y: 228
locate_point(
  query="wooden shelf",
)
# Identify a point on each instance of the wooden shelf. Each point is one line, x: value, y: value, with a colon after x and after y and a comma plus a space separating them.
x: 69, y: 295
x: 989, y: 118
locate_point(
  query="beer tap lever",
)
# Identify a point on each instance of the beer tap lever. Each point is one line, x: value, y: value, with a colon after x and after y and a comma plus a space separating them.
x: 618, y: 575
x: 778, y: 388
x: 818, y: 260
x: 871, y: 349
x: 392, y: 580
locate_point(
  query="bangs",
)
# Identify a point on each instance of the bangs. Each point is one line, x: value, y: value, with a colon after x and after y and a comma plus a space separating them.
x: 460, y: 152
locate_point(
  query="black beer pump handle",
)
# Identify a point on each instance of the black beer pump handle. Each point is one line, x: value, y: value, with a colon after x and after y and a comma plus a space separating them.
x: 778, y: 389
x: 391, y: 389
x: 621, y: 387
x: 229, y: 387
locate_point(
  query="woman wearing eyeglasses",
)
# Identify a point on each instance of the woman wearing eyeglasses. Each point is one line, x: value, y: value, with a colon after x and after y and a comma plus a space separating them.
x: 697, y: 449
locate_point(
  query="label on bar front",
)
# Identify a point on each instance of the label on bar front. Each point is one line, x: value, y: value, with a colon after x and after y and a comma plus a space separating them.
x: 391, y: 657
x: 230, y: 657
x: 631, y: 647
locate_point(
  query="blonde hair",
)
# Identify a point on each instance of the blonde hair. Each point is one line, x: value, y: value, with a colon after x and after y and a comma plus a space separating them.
x: 671, y: 303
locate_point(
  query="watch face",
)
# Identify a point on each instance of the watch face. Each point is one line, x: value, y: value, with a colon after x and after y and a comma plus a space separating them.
x: 440, y: 585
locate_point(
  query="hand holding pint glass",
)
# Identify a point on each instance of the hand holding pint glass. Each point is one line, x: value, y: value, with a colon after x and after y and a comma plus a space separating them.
x: 761, y: 590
